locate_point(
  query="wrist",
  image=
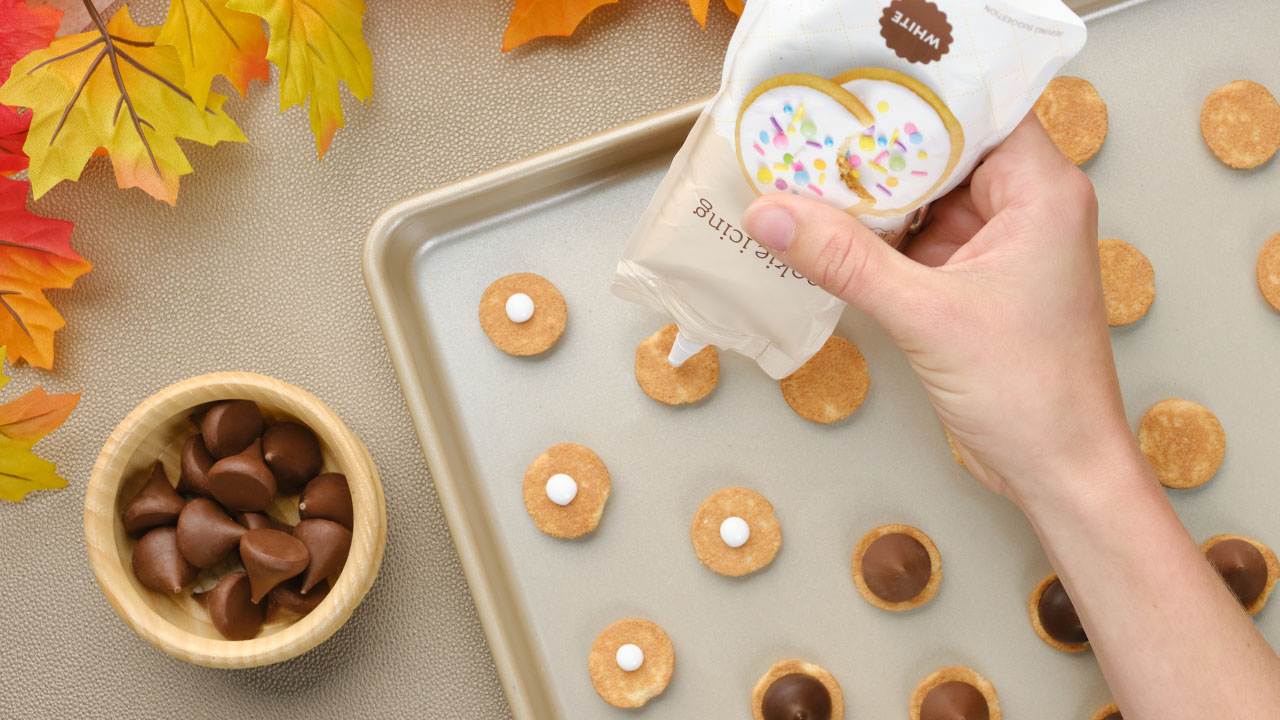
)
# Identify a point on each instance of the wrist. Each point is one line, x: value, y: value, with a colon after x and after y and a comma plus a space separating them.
x: 1083, y: 488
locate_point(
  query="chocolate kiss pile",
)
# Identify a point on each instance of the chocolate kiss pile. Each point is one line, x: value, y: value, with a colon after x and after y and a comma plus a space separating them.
x: 231, y: 472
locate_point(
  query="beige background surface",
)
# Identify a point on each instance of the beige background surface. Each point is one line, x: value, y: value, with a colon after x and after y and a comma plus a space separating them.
x: 257, y: 268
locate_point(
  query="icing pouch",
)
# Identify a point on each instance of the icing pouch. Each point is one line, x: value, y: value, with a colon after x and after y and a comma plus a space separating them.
x: 874, y: 106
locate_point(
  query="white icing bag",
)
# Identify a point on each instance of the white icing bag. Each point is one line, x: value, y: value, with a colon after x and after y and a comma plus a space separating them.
x: 874, y: 106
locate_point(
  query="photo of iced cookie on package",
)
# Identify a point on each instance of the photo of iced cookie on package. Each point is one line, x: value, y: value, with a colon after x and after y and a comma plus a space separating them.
x: 872, y: 141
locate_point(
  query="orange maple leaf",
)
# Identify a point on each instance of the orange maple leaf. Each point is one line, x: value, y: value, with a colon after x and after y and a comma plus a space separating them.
x: 699, y: 10
x: 539, y: 18
x: 22, y: 423
x: 35, y: 415
x: 35, y: 254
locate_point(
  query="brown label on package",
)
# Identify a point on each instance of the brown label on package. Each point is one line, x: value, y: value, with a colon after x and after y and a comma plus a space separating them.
x: 916, y: 30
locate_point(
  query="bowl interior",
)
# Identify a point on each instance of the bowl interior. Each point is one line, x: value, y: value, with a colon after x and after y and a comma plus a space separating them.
x: 186, y: 610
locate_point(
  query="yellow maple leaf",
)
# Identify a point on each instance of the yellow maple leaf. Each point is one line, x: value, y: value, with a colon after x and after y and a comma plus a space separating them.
x: 112, y: 87
x: 212, y: 39
x: 735, y: 6
x: 23, y: 422
x: 316, y: 44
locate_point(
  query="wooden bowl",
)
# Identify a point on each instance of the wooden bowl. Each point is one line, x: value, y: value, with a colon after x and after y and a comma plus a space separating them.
x: 179, y: 624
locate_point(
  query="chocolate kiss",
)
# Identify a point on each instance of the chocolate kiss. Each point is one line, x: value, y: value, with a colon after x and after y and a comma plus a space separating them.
x: 271, y: 557
x: 327, y: 497
x: 796, y: 695
x: 233, y: 612
x: 255, y: 520
x: 159, y: 564
x: 230, y: 426
x: 328, y: 542
x: 293, y: 454
x: 157, y: 503
x: 196, y: 462
x: 206, y: 533
x: 243, y: 482
x: 288, y: 595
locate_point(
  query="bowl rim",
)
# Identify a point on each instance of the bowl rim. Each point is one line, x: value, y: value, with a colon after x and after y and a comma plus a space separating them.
x: 110, y: 568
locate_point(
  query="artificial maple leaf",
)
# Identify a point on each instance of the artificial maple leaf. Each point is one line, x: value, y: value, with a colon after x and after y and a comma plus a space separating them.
x: 213, y: 40
x: 23, y: 422
x: 537, y: 18
x: 75, y: 17
x: 23, y: 30
x: 112, y: 87
x: 35, y: 254
x: 13, y: 132
x: 35, y: 415
x: 699, y: 10
x: 316, y: 43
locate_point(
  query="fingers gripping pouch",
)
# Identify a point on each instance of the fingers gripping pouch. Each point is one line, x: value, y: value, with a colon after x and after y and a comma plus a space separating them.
x: 876, y: 107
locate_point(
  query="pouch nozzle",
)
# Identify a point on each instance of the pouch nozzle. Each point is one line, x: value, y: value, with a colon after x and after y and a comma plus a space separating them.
x: 682, y: 349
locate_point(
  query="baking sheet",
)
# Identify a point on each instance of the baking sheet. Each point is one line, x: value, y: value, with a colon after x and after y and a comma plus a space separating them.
x: 483, y: 416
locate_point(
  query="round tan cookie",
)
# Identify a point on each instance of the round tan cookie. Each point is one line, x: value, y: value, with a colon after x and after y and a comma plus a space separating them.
x: 632, y: 689
x: 1240, y: 122
x: 782, y: 668
x: 1106, y: 712
x: 761, y: 546
x: 935, y: 567
x: 582, y: 514
x: 1075, y: 117
x: 533, y: 336
x: 1183, y: 441
x: 1273, y: 567
x: 1033, y: 609
x: 1128, y: 282
x: 831, y: 385
x: 689, y: 383
x: 1269, y: 271
x: 956, y: 673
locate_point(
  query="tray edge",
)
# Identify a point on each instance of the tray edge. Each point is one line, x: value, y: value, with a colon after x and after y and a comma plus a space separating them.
x: 512, y: 673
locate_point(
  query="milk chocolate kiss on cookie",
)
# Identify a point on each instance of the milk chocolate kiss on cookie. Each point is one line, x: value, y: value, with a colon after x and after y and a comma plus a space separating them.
x: 798, y: 696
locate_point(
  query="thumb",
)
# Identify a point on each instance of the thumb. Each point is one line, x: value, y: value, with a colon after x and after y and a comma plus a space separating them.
x: 841, y: 255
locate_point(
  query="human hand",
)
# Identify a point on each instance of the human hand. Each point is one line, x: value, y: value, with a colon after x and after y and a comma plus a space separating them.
x: 998, y: 306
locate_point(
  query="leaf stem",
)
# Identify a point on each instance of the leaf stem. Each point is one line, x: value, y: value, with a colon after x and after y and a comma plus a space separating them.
x: 110, y: 52
x: 16, y: 317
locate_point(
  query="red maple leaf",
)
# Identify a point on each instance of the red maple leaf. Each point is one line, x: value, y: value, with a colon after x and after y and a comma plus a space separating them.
x: 35, y: 255
x: 23, y: 30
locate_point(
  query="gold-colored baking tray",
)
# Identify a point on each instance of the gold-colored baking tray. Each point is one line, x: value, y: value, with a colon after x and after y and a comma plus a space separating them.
x: 482, y: 416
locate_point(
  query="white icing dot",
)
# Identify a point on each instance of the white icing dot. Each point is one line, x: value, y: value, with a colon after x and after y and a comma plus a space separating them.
x: 629, y: 657
x: 735, y: 532
x: 561, y: 489
x: 519, y: 307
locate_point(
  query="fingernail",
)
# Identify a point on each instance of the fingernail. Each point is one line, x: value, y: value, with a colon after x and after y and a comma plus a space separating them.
x: 770, y: 225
